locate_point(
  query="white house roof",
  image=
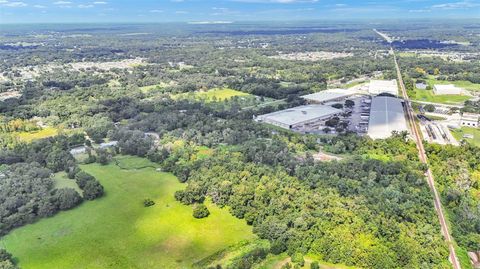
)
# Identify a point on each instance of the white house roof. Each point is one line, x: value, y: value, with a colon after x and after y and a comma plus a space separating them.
x: 386, y: 116
x: 328, y: 95
x: 301, y: 114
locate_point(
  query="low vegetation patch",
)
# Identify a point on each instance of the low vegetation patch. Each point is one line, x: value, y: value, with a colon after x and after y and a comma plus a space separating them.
x: 217, y: 94
x: 460, y: 133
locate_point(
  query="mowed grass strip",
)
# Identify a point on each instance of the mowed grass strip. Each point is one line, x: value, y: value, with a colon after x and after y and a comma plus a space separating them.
x: 217, y: 94
x: 62, y: 181
x: 117, y: 231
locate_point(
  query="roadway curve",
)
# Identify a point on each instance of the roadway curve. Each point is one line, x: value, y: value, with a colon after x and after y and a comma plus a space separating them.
x: 423, y: 158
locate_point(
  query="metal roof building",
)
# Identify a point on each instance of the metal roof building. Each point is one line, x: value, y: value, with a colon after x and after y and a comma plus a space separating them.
x: 377, y: 87
x: 298, y: 116
x: 446, y: 89
x: 386, y: 115
x: 329, y: 95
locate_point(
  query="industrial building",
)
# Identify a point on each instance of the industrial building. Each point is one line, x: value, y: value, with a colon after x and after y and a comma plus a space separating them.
x: 377, y: 87
x: 446, y: 89
x: 470, y: 120
x: 386, y: 116
x: 329, y: 95
x: 300, y: 116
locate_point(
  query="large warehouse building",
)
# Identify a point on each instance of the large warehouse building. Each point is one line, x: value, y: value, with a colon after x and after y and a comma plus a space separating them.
x: 446, y: 89
x: 329, y: 95
x: 297, y: 117
x: 386, y: 116
x: 377, y: 87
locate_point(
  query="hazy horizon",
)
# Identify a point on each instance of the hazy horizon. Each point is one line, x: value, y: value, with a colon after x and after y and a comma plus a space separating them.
x: 122, y: 11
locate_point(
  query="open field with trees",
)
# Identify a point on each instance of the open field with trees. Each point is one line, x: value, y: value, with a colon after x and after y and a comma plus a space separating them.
x: 117, y: 231
x: 266, y: 199
x: 459, y: 133
x: 429, y: 96
x: 219, y: 94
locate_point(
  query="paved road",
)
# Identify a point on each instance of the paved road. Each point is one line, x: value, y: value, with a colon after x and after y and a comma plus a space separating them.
x: 423, y: 158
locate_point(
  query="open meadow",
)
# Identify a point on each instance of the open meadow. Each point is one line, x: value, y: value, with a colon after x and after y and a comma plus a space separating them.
x: 459, y: 133
x: 117, y: 231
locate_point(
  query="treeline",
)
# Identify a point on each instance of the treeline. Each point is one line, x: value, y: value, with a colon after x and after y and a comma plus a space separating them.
x: 457, y: 172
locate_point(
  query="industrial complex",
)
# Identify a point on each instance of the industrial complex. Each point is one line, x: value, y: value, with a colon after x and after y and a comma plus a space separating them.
x: 386, y: 116
x: 375, y: 112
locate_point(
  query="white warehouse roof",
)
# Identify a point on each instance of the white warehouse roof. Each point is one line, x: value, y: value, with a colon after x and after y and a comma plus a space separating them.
x: 386, y: 116
x: 328, y: 95
x: 383, y: 86
x: 446, y: 89
x: 300, y: 114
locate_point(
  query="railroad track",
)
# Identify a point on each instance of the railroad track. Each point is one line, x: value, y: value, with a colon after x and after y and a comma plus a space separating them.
x: 423, y: 158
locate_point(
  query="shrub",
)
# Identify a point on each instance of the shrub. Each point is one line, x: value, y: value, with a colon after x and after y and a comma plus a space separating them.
x: 314, y: 265
x: 200, y: 211
x: 298, y: 258
x: 67, y: 198
x: 148, y: 202
x: 92, y: 190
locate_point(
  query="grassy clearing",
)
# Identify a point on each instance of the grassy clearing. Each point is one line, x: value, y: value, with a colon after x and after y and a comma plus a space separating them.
x: 44, y: 133
x: 428, y: 96
x: 467, y: 85
x: 217, y: 94
x: 146, y: 89
x: 117, y: 231
x: 463, y: 258
x: 458, y: 134
x: 62, y: 181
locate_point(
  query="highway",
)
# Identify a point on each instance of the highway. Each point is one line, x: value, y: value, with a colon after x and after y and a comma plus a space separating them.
x: 423, y: 158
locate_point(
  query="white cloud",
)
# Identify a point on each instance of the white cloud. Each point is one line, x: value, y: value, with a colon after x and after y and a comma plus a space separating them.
x: 39, y: 6
x: 3, y: 1
x: 156, y: 11
x: 62, y: 3
x: 15, y: 4
x: 456, y: 5
x: 85, y: 6
x: 100, y: 3
x: 181, y: 12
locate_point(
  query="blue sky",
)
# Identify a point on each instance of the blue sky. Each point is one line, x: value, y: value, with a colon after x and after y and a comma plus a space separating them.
x: 27, y: 11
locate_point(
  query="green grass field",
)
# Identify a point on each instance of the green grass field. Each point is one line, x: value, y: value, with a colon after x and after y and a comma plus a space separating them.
x: 467, y: 85
x: 428, y: 96
x: 62, y: 181
x: 146, y: 89
x: 458, y: 134
x: 214, y: 94
x: 44, y: 133
x: 117, y: 231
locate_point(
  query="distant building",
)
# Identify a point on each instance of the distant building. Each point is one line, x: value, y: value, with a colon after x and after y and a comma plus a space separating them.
x: 108, y: 144
x: 421, y: 86
x: 78, y: 150
x: 470, y: 120
x: 328, y: 95
x: 377, y: 87
x: 299, y: 116
x: 446, y: 89
x: 386, y: 116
